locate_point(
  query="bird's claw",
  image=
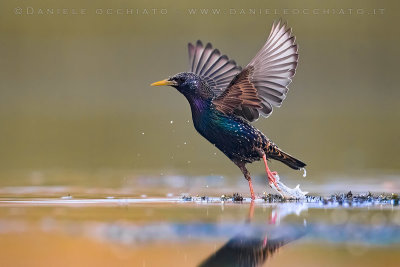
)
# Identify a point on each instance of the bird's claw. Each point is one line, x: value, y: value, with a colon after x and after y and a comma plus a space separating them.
x: 271, y: 177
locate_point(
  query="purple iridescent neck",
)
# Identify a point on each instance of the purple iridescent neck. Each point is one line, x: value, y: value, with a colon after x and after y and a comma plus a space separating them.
x: 198, y: 105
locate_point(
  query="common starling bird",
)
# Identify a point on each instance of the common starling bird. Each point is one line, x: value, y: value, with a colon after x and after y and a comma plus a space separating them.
x: 224, y: 99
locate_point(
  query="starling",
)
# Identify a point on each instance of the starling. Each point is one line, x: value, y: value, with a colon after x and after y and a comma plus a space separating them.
x: 224, y: 99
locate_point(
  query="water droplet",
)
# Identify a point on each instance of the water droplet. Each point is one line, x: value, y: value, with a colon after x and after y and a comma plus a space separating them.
x: 189, y: 162
x: 143, y: 133
x: 184, y: 143
x: 171, y: 122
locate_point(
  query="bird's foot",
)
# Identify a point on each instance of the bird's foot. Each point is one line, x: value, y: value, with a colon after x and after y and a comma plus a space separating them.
x: 284, y: 191
x: 272, y: 178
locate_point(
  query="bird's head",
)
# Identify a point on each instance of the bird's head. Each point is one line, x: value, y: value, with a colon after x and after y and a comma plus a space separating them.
x: 189, y: 84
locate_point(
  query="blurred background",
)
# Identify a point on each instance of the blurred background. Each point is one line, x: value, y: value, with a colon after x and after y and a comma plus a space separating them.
x: 76, y: 106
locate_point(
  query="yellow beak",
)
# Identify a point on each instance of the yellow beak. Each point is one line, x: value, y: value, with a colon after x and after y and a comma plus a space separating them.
x: 163, y: 82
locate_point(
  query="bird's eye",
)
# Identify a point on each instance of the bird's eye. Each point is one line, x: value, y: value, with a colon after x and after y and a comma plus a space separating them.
x: 181, y: 79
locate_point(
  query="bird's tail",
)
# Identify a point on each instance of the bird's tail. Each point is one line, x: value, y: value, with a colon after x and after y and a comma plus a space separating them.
x: 274, y: 152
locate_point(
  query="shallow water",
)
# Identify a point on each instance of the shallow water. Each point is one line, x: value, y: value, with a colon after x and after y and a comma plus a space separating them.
x: 168, y: 231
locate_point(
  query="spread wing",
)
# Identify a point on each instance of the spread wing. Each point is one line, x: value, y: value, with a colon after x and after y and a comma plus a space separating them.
x: 263, y: 83
x: 241, y: 92
x: 216, y: 69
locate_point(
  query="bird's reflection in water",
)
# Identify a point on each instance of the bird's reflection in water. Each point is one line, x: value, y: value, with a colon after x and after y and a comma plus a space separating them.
x: 253, y: 246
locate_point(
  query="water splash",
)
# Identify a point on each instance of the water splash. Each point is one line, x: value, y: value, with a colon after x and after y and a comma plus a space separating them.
x: 287, y: 192
x: 304, y: 172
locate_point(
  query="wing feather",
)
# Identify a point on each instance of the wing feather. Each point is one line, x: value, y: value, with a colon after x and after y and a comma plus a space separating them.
x: 216, y: 69
x: 263, y: 84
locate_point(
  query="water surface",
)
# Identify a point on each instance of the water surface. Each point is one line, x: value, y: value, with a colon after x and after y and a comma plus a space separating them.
x: 169, y: 231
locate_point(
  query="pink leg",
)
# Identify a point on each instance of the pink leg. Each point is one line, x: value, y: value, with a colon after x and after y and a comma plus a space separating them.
x: 271, y: 175
x: 247, y: 176
x: 251, y: 190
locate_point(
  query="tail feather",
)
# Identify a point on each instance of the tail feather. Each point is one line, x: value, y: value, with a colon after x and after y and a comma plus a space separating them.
x: 274, y: 152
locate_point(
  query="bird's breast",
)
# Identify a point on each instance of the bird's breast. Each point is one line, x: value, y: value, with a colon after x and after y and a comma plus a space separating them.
x: 233, y: 136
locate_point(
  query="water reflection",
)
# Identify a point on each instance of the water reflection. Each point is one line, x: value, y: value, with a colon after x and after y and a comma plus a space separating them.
x: 198, y: 232
x: 253, y: 246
